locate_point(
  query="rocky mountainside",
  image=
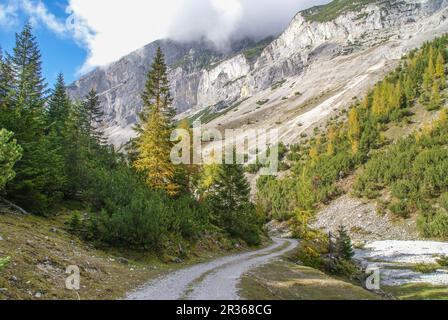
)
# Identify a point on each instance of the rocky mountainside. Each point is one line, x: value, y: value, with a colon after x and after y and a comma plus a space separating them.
x: 325, y: 57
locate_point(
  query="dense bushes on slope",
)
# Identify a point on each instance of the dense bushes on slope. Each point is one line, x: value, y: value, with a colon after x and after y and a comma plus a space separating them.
x: 140, y: 200
x: 326, y: 158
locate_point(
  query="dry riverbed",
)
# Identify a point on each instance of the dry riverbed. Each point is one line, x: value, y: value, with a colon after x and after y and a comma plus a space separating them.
x: 409, y: 269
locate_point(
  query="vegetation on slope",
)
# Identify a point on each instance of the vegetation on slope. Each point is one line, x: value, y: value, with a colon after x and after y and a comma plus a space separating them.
x: 286, y: 280
x: 334, y: 9
x: 414, y: 168
x: 139, y: 200
x: 35, y: 252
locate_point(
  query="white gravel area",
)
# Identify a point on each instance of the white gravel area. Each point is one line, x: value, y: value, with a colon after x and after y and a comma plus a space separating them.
x: 396, y: 258
x: 391, y: 277
x: 412, y: 252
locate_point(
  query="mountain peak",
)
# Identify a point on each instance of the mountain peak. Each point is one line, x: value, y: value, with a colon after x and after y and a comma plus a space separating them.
x: 205, y: 79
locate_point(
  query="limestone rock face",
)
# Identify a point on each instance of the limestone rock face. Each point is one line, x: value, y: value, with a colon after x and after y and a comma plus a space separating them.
x: 202, y: 77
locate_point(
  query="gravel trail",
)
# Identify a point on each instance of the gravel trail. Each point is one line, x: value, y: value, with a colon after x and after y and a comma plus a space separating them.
x: 212, y: 280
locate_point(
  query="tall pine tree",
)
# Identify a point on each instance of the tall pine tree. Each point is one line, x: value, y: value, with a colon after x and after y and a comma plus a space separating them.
x: 93, y: 117
x: 230, y: 204
x: 230, y: 192
x: 153, y: 143
x: 344, y: 247
x: 37, y: 181
x: 58, y: 106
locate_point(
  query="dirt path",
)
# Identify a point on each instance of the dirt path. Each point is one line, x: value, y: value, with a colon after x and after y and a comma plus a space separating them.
x: 212, y: 280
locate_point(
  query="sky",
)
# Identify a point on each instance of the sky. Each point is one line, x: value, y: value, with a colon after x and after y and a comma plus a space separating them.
x: 76, y: 36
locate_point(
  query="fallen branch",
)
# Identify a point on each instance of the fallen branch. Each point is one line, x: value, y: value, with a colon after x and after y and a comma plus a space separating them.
x: 15, y: 207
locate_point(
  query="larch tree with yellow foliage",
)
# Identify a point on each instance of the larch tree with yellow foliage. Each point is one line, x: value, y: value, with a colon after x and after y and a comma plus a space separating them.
x: 354, y: 129
x: 332, y: 136
x: 186, y: 173
x: 153, y: 144
x: 440, y: 70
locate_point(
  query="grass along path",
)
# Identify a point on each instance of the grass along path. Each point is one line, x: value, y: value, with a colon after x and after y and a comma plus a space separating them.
x: 285, y: 280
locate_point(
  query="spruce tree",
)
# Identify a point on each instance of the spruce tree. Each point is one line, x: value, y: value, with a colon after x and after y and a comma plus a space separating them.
x: 57, y: 114
x: 76, y: 151
x: 29, y: 85
x: 230, y: 205
x: 37, y: 181
x: 58, y: 106
x: 230, y: 190
x: 344, y: 247
x: 93, y: 117
x: 153, y: 143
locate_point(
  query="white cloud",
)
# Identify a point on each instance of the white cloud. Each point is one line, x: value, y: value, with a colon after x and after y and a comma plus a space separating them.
x: 220, y: 21
x: 8, y: 14
x: 39, y: 14
x: 35, y: 11
x: 113, y: 28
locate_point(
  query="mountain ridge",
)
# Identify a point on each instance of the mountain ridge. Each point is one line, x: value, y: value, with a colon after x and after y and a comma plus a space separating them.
x: 229, y: 80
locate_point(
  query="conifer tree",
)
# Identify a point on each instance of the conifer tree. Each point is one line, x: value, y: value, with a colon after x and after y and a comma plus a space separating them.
x: 354, y: 129
x: 154, y: 131
x: 428, y: 77
x: 37, y: 180
x: 207, y: 177
x: 409, y: 88
x: 344, y: 247
x: 332, y: 135
x: 91, y: 116
x: 58, y: 106
x: 435, y: 100
x: 314, y: 153
x: 440, y: 70
x: 57, y: 114
x: 187, y: 174
x: 378, y: 106
x: 231, y: 189
x: 230, y: 196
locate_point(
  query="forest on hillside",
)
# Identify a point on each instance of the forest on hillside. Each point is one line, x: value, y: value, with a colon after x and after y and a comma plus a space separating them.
x: 53, y: 152
x: 413, y: 169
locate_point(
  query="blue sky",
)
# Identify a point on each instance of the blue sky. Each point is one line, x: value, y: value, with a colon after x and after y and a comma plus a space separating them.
x: 59, y: 53
x: 102, y: 31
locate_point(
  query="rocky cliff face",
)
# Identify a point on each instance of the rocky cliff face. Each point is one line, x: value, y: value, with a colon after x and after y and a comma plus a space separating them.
x: 205, y: 78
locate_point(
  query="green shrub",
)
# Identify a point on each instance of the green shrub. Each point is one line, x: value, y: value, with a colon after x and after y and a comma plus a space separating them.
x: 399, y: 208
x: 342, y: 267
x: 4, y: 262
x: 444, y: 201
x: 10, y: 153
x: 443, y: 261
x: 311, y: 253
x: 425, y: 268
x: 433, y: 224
x: 75, y: 222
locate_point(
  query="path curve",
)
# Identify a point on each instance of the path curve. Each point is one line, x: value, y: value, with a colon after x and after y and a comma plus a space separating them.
x: 215, y: 280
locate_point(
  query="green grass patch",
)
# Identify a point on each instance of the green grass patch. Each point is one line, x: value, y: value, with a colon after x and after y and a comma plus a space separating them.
x: 418, y: 292
x: 334, y: 9
x: 4, y: 262
x: 285, y: 280
x: 253, y: 53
